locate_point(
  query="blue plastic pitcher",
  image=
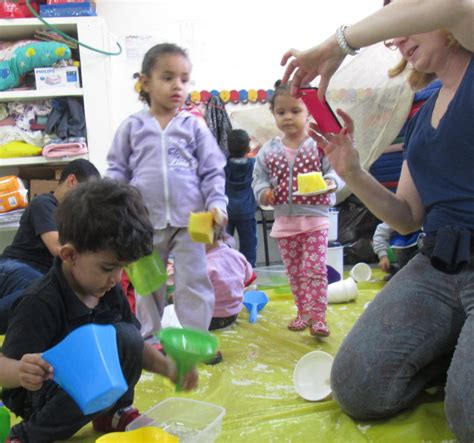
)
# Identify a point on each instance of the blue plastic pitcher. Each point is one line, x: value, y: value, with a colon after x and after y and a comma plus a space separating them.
x: 86, y: 365
x: 255, y: 301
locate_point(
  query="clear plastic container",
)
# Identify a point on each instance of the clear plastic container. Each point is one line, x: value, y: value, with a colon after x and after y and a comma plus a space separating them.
x: 271, y: 276
x: 192, y: 421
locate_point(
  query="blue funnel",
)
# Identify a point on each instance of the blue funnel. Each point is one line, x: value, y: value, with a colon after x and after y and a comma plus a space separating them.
x: 86, y: 365
x: 254, y: 301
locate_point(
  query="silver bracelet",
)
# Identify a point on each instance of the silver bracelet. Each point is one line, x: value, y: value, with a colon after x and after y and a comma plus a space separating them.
x: 342, y: 42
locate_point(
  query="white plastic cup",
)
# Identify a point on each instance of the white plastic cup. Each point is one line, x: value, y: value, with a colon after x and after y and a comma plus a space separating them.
x: 311, y: 376
x: 361, y: 272
x: 342, y: 291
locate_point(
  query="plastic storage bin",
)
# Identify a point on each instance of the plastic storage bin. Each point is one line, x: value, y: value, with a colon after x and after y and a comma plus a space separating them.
x: 192, y: 421
x: 271, y: 276
x: 333, y: 220
x: 335, y: 257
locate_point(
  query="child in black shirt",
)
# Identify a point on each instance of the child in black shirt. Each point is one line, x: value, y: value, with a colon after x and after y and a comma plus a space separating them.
x: 102, y: 226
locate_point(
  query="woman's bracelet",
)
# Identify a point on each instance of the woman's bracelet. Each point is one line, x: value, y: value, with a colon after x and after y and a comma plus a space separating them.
x: 342, y: 42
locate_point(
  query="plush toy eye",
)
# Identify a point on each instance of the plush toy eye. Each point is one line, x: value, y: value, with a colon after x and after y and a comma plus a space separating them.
x: 60, y: 51
x: 30, y: 52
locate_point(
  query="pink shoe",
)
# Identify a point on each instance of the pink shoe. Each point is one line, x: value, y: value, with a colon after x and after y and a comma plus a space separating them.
x: 319, y: 329
x: 298, y: 324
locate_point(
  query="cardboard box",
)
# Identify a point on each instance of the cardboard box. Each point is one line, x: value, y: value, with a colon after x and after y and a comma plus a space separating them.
x: 67, y: 76
x: 38, y: 187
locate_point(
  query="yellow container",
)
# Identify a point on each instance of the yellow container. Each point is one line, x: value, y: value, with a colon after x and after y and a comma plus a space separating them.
x: 311, y: 182
x: 148, y: 434
x: 13, y: 194
x: 200, y: 227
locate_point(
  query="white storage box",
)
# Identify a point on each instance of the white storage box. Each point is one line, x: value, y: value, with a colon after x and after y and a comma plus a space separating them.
x: 63, y: 77
x: 192, y: 421
x: 271, y: 276
x: 335, y: 258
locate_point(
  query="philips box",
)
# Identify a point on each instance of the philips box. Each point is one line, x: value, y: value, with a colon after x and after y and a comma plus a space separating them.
x: 67, y: 76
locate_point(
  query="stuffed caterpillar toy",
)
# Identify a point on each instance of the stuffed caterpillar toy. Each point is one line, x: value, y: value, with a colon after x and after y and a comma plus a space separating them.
x: 18, y: 58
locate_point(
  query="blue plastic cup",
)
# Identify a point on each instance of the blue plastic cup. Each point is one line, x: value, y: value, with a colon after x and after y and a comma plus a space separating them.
x: 86, y: 365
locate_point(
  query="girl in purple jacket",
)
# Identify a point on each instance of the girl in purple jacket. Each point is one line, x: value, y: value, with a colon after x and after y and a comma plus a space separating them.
x: 301, y: 222
x: 173, y: 159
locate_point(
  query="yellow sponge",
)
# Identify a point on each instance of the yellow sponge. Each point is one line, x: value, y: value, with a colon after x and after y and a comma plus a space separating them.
x: 200, y: 227
x: 311, y: 182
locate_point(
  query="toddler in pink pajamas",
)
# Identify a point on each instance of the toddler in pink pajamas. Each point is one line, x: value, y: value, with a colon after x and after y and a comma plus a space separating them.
x: 301, y: 222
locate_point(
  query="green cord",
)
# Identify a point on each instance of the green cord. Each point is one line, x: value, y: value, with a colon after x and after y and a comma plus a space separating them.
x: 67, y: 37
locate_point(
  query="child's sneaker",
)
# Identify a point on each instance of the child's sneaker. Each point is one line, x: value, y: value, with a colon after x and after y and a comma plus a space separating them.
x: 12, y: 440
x: 115, y: 421
x: 319, y: 328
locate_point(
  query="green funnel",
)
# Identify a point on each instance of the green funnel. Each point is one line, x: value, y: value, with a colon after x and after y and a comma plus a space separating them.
x: 187, y: 347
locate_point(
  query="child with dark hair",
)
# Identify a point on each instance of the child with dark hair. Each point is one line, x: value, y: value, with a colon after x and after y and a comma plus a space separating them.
x: 301, y: 221
x: 36, y: 242
x: 102, y: 226
x: 238, y: 187
x: 174, y: 160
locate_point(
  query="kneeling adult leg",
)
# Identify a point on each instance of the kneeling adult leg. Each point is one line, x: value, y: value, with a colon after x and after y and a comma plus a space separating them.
x: 394, y: 350
x: 459, y: 404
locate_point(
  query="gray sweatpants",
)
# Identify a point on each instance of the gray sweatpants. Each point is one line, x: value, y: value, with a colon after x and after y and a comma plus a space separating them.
x: 419, y: 327
x: 193, y: 292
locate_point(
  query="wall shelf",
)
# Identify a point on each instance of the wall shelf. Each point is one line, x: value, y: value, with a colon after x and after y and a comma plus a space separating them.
x: 39, y: 94
x: 38, y: 160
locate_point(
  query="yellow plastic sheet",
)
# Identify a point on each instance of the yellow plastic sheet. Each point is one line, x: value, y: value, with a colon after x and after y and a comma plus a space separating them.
x: 255, y: 385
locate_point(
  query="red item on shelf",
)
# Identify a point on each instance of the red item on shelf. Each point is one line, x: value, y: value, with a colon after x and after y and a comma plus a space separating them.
x: 16, y: 9
x: 59, y: 2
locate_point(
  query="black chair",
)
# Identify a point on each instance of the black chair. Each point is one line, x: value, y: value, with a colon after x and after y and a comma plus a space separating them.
x: 266, y: 220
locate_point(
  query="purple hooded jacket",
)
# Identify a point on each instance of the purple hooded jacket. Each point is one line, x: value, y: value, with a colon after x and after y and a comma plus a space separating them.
x: 178, y: 170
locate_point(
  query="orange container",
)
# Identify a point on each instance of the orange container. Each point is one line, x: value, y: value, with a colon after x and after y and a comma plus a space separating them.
x: 12, y: 194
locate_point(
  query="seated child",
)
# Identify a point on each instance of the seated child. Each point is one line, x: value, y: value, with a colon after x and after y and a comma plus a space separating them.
x: 102, y: 227
x: 228, y: 271
x: 404, y: 248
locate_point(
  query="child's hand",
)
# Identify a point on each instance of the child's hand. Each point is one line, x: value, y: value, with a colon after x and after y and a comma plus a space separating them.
x: 219, y: 217
x: 190, y: 380
x: 267, y: 198
x: 33, y: 371
x: 384, y: 263
x: 330, y: 182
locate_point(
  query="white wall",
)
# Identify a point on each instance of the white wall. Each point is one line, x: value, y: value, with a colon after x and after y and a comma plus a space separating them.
x: 234, y: 45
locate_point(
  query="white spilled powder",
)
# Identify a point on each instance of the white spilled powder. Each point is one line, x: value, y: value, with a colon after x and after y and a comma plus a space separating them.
x: 363, y: 429
x: 242, y: 382
x: 263, y: 368
x: 343, y: 308
x: 146, y: 376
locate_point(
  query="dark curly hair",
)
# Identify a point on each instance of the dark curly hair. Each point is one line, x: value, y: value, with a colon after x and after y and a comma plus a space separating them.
x: 105, y: 215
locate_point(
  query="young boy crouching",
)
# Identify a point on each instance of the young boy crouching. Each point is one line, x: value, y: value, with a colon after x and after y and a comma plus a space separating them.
x: 102, y: 227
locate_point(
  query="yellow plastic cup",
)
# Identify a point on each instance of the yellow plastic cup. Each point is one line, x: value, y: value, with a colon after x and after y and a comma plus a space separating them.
x: 147, y: 274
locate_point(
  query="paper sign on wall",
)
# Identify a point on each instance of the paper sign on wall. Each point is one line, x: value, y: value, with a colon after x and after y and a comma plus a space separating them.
x: 137, y: 45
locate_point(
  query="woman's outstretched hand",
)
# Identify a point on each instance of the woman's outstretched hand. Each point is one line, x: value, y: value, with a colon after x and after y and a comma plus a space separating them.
x: 339, y: 148
x: 305, y: 66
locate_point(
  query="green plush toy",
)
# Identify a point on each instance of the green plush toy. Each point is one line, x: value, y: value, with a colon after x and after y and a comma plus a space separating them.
x: 18, y: 58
